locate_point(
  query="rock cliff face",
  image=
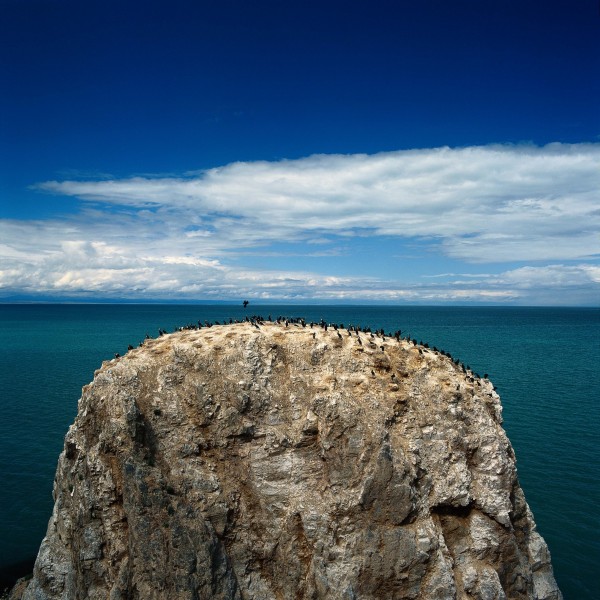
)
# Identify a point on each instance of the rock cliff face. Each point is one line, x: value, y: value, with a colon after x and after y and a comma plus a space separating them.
x: 264, y: 461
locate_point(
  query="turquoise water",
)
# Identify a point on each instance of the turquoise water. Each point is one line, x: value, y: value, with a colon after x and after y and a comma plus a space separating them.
x: 545, y: 363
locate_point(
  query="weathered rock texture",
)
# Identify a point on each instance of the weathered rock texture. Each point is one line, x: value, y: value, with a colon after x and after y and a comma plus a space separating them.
x: 288, y: 462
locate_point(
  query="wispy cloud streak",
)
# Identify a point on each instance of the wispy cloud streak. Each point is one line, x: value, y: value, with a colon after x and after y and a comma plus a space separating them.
x: 533, y: 213
x: 482, y: 203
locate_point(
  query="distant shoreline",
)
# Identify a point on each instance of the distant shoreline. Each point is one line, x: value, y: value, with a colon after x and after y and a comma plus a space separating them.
x: 315, y: 303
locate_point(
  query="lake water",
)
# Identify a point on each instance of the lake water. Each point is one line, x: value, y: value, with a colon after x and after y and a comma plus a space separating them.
x: 545, y: 363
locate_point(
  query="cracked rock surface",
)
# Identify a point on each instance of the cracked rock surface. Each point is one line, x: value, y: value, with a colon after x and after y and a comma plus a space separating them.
x: 274, y: 462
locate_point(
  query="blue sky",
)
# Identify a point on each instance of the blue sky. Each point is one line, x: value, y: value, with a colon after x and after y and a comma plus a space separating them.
x: 419, y: 152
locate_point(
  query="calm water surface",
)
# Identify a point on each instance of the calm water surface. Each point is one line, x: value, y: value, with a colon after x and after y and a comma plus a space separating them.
x: 545, y: 363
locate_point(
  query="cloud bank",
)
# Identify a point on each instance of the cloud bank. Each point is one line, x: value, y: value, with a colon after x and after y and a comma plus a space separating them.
x: 531, y: 213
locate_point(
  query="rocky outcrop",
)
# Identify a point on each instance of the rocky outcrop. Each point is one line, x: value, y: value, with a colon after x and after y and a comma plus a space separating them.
x: 259, y: 461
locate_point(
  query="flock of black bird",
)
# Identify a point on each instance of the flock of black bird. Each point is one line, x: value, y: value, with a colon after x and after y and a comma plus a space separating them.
x: 351, y: 331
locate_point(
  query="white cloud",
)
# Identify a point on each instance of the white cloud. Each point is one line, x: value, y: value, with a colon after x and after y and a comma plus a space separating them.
x: 487, y: 204
x: 550, y: 284
x: 553, y: 276
x: 189, y: 237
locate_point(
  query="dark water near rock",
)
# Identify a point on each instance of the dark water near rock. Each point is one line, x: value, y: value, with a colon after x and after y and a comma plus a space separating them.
x: 545, y: 363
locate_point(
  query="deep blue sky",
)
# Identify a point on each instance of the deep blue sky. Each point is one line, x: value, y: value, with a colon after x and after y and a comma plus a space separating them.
x: 109, y: 90
x: 148, y: 87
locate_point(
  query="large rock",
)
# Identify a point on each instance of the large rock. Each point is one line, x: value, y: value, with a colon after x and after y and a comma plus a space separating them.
x: 259, y: 462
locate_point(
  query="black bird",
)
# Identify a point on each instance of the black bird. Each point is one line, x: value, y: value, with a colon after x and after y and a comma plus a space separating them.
x: 117, y: 355
x: 339, y: 335
x: 130, y: 347
x: 245, y: 303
